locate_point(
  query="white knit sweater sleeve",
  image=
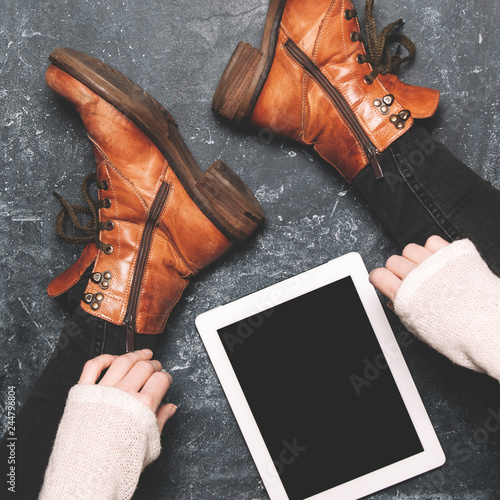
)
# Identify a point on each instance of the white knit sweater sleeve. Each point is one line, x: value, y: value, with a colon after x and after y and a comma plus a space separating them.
x: 105, y: 439
x: 452, y: 302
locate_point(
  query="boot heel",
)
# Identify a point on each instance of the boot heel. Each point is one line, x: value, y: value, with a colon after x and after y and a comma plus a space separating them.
x: 233, y: 96
x: 229, y: 203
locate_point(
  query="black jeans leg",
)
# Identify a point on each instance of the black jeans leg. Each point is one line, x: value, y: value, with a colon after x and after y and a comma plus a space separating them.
x: 82, y: 338
x: 426, y: 191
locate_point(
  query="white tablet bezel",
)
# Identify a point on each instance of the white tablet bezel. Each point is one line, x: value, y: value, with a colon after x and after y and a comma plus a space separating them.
x: 351, y: 265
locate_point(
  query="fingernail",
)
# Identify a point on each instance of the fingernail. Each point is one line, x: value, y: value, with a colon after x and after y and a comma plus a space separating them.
x: 172, y: 411
x: 147, y: 351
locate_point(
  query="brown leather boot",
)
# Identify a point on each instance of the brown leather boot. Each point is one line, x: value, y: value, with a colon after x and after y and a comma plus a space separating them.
x: 159, y: 218
x: 313, y: 81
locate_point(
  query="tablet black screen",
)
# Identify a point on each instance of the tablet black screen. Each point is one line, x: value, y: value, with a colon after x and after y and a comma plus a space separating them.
x: 317, y: 383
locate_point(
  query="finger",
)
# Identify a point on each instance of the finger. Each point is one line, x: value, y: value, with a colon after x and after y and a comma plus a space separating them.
x: 416, y: 253
x: 435, y: 243
x: 155, y: 389
x: 94, y: 367
x: 138, y: 375
x: 164, y: 413
x: 400, y: 266
x: 387, y: 282
x: 122, y: 365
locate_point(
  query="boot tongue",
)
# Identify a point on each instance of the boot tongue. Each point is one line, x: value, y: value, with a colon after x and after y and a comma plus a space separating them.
x: 421, y: 101
x: 70, y: 277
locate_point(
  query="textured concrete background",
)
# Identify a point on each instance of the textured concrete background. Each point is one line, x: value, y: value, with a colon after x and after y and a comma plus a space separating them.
x: 177, y: 51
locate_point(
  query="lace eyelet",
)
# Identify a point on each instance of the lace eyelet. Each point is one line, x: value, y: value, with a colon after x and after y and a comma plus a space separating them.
x: 361, y: 59
x: 110, y: 225
x: 368, y: 79
x: 355, y: 36
x: 104, y: 185
x: 106, y: 203
x: 350, y: 14
x: 404, y: 115
x: 108, y: 249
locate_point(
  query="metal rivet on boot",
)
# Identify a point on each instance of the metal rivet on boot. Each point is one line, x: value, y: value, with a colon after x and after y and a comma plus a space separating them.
x: 389, y: 99
x: 99, y: 297
x: 404, y: 114
x: 397, y: 121
x: 95, y: 306
x: 96, y: 277
x: 108, y: 249
x: 88, y: 297
x: 106, y: 277
x: 384, y: 104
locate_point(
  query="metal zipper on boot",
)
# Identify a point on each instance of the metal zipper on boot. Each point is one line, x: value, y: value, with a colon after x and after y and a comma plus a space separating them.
x: 142, y: 256
x: 340, y: 103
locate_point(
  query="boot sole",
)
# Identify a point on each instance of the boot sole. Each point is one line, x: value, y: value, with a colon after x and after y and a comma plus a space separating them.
x: 247, y: 71
x: 219, y: 193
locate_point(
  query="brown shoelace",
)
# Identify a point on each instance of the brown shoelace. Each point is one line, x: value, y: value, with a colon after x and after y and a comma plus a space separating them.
x: 378, y: 45
x: 90, y: 231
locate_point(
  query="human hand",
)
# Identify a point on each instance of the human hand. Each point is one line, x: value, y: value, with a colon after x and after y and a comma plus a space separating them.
x: 136, y: 374
x: 450, y: 301
x: 388, y: 279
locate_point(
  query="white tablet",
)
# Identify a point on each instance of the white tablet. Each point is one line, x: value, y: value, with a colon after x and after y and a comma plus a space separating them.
x: 319, y: 387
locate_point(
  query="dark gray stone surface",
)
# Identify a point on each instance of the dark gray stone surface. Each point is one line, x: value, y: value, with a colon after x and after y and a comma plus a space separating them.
x: 177, y: 51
